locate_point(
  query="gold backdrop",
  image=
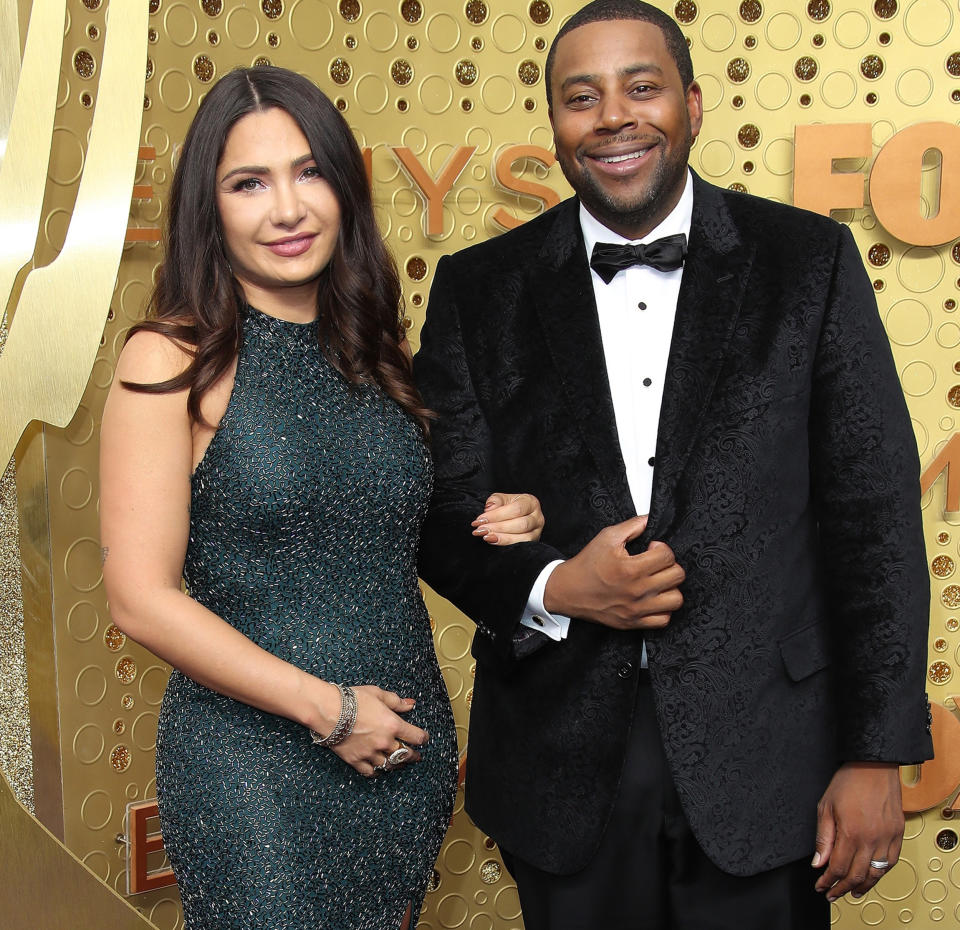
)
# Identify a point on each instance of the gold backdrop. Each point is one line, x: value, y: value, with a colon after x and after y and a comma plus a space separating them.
x: 448, y: 97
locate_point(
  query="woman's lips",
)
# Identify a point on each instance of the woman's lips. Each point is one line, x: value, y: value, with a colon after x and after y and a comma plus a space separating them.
x: 290, y: 248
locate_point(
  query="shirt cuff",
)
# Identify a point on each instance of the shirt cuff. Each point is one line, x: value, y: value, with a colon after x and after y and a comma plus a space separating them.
x: 536, y: 615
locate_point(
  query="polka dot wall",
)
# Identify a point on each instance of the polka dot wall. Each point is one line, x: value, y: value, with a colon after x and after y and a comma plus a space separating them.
x: 435, y: 77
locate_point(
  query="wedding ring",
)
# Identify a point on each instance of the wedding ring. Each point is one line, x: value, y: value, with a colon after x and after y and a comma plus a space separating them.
x: 879, y: 864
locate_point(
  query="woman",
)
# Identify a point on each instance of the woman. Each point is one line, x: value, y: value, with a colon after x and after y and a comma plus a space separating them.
x: 275, y: 459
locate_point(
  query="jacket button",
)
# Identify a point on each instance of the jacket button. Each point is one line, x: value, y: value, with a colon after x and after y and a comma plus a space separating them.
x: 625, y: 670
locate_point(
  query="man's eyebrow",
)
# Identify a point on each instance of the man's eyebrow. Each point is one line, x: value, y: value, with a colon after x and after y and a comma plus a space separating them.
x: 629, y: 71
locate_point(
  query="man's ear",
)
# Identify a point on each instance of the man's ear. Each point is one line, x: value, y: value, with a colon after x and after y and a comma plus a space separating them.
x: 694, y: 108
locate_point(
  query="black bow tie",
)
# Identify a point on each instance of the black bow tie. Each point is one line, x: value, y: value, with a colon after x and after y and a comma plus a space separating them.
x: 664, y: 254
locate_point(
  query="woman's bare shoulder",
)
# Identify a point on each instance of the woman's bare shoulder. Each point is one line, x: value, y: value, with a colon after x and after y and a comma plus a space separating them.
x: 150, y: 357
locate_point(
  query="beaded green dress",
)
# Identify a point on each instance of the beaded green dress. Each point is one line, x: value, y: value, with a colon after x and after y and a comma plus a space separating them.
x: 305, y: 517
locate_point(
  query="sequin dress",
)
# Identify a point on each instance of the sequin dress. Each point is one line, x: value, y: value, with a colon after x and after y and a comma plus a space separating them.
x: 305, y: 518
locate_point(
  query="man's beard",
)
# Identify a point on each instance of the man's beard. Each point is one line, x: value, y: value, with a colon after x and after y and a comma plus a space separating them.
x: 668, y: 177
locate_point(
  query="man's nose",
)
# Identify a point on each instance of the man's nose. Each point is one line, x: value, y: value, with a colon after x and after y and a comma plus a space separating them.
x: 613, y: 113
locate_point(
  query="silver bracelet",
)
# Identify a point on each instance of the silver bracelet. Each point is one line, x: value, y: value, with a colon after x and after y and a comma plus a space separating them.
x: 345, y: 722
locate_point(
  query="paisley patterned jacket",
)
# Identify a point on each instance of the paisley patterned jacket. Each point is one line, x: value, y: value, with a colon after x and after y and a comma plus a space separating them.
x: 786, y: 482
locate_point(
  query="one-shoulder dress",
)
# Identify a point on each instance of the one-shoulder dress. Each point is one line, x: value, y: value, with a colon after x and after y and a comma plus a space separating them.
x: 305, y: 518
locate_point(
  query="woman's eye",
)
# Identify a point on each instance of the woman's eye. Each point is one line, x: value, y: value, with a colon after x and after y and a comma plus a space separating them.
x: 247, y: 184
x: 312, y: 172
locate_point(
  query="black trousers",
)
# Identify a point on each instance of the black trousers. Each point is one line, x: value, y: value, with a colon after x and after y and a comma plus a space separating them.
x: 650, y: 873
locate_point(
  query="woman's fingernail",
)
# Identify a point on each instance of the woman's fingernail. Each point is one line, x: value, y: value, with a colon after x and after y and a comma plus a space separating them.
x: 480, y: 520
x: 480, y: 531
x: 491, y: 538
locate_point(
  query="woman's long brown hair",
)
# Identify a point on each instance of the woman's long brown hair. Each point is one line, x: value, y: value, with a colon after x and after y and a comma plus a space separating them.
x: 196, y: 300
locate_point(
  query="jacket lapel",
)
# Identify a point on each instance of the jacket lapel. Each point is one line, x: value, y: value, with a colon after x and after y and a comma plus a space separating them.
x: 714, y: 280
x: 563, y: 296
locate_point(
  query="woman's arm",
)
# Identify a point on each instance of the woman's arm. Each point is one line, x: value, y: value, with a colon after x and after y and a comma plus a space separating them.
x: 146, y: 457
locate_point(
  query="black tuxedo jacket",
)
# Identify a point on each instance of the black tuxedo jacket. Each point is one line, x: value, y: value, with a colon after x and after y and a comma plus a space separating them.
x: 786, y: 482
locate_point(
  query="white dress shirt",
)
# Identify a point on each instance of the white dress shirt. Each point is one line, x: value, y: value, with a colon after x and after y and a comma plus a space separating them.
x: 636, y: 311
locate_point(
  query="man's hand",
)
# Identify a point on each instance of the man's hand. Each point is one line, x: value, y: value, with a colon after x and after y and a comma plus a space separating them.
x: 607, y: 585
x: 859, y: 818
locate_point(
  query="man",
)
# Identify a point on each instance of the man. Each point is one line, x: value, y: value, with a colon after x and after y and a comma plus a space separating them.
x: 710, y: 666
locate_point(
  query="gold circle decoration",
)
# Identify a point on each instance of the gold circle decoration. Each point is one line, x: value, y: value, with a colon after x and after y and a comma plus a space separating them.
x: 340, y: 71
x: 416, y: 268
x: 242, y: 27
x: 716, y: 158
x: 529, y: 72
x: 401, y: 71
x: 180, y: 25
x: 852, y: 29
x: 443, y: 32
x: 125, y: 670
x: 84, y: 63
x: 204, y: 68
x: 839, y: 89
x: 350, y: 10
x: 750, y: 10
x: 950, y: 596
x: 88, y: 744
x: 928, y: 22
x: 818, y: 10
x: 908, y: 322
x: 311, y: 24
x: 435, y: 93
x: 871, y: 67
x: 114, y: 638
x: 371, y: 93
x: 942, y: 566
x: 773, y: 91
x: 120, y: 758
x: 806, y: 68
x: 885, y: 9
x: 411, y: 11
x: 465, y: 72
x: 940, y: 672
x: 738, y: 70
x: 83, y: 621
x: 718, y: 32
x: 498, y: 93
x: 476, y: 12
x: 914, y: 87
x: 783, y: 31
x: 748, y: 135
x: 509, y: 33
x: 539, y: 12
x: 685, y: 11
x: 272, y: 9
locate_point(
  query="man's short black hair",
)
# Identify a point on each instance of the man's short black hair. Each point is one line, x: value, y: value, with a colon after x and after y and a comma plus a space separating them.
x: 606, y: 10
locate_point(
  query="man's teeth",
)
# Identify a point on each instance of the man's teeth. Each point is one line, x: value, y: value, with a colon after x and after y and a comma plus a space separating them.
x: 613, y: 159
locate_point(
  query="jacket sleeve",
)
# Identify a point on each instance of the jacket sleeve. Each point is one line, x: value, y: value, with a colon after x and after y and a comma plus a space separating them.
x: 491, y: 584
x: 866, y: 493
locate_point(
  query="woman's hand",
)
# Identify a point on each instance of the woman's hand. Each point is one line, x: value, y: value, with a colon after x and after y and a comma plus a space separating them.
x: 509, y: 519
x: 379, y: 731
